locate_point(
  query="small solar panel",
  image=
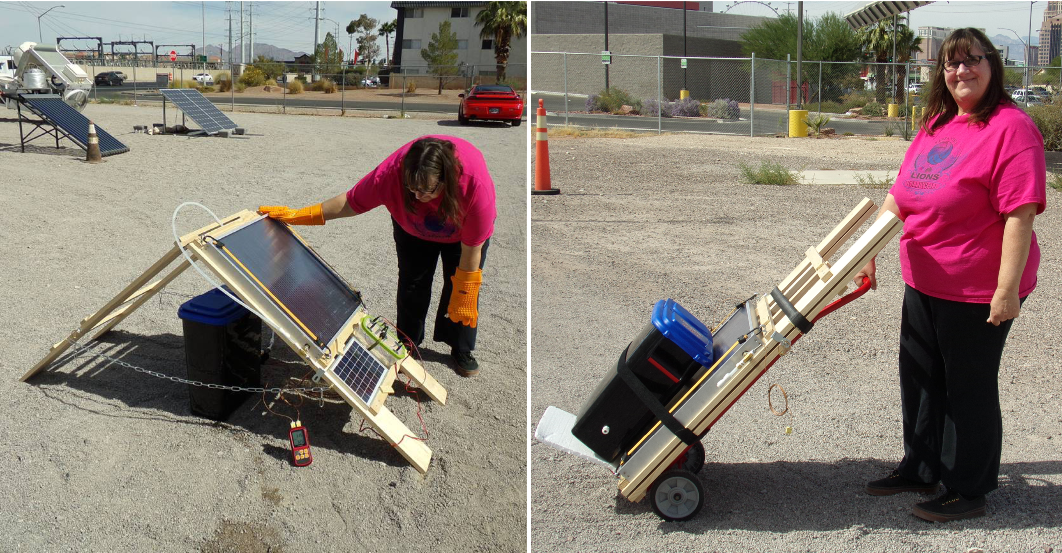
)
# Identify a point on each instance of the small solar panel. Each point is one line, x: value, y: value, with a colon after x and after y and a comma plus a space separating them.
x: 201, y: 110
x: 293, y: 274
x: 361, y: 371
x: 59, y: 113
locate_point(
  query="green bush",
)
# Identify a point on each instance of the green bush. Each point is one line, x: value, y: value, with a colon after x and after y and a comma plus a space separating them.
x: 1054, y: 180
x: 768, y: 172
x: 1048, y: 118
x: 295, y: 87
x: 612, y: 99
x: 240, y: 87
x: 874, y: 109
x: 252, y: 76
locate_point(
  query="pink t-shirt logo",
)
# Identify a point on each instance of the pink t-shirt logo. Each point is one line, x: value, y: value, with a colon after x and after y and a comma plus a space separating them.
x: 931, y: 169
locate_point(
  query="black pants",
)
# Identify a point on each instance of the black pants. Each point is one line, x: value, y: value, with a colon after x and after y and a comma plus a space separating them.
x: 949, y: 393
x: 417, y: 259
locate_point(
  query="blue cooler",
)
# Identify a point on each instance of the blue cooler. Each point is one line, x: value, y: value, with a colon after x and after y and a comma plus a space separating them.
x: 222, y: 345
x: 664, y: 357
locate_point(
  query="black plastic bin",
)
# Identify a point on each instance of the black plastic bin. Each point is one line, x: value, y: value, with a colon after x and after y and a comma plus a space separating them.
x: 222, y: 345
x: 664, y: 357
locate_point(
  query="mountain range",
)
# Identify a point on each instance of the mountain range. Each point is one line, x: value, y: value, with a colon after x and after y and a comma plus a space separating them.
x: 260, y: 49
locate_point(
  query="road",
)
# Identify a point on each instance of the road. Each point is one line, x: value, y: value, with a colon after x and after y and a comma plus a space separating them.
x: 767, y: 119
x: 147, y: 90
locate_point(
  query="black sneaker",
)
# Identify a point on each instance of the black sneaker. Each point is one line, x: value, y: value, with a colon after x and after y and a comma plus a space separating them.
x: 894, y: 483
x: 950, y: 506
x: 466, y: 364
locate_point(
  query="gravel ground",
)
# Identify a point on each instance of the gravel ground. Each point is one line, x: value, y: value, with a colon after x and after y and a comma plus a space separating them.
x: 101, y: 458
x: 656, y: 217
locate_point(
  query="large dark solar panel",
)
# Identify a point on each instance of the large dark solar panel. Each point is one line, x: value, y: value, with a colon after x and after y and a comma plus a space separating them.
x: 294, y: 275
x: 361, y: 371
x: 201, y: 110
x: 58, y: 112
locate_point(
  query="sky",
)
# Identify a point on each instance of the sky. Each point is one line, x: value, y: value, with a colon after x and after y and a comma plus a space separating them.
x: 285, y: 24
x: 994, y: 17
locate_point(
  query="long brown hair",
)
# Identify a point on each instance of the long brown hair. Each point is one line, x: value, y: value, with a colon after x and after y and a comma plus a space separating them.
x: 941, y: 101
x: 433, y: 159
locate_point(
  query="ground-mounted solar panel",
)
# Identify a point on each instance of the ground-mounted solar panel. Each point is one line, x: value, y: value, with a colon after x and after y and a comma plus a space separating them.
x: 199, y: 109
x: 360, y: 371
x: 293, y: 275
x: 53, y: 109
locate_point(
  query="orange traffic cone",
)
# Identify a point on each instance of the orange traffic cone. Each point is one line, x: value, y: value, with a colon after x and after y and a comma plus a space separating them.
x: 542, y: 184
x: 93, y: 154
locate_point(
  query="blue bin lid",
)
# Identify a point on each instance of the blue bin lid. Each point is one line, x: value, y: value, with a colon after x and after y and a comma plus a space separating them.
x: 212, y: 308
x: 682, y: 328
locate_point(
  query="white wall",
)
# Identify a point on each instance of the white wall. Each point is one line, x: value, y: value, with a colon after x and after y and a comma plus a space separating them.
x: 421, y: 28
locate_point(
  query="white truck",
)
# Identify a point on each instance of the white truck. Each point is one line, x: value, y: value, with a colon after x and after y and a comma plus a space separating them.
x: 42, y: 69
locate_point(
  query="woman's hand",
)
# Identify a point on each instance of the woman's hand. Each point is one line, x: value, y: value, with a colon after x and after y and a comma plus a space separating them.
x: 869, y: 271
x: 1005, y: 306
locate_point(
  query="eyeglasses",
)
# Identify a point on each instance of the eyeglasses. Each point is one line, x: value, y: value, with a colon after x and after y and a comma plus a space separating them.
x: 425, y: 192
x: 970, y: 62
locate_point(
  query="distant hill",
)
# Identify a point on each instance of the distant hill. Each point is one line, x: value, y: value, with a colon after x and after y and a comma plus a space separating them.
x: 267, y: 50
x: 1017, y: 49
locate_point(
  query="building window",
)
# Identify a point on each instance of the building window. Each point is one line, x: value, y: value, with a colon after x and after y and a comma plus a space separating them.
x: 414, y: 13
x: 411, y: 44
x: 462, y: 45
x: 459, y: 12
x: 411, y: 70
x: 488, y: 44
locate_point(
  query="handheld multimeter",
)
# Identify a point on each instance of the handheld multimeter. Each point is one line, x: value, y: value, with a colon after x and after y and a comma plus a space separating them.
x: 300, y: 445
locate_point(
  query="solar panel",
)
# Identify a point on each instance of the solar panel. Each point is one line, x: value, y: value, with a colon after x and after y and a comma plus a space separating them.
x: 52, y: 108
x: 310, y: 291
x: 362, y: 372
x: 201, y: 110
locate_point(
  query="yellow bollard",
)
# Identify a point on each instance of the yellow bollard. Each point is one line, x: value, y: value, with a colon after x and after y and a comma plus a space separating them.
x: 683, y: 94
x: 894, y: 110
x: 914, y: 118
x: 798, y: 123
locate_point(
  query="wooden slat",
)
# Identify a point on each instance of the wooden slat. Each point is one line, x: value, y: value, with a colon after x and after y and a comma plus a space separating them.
x: 411, y: 368
x: 816, y: 298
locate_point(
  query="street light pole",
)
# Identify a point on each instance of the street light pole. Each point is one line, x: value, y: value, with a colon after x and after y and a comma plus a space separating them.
x: 40, y: 35
x: 1026, y: 77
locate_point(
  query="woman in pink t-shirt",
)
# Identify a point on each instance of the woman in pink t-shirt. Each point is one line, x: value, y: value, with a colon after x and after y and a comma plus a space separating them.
x: 441, y: 199
x: 970, y: 186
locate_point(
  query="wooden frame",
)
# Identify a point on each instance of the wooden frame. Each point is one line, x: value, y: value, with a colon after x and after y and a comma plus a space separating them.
x: 144, y: 287
x: 809, y: 288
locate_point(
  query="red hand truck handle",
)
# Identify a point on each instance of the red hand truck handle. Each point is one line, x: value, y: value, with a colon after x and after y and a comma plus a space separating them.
x: 840, y: 302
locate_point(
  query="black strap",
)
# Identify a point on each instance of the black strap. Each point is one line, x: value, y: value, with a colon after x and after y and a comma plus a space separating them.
x: 650, y: 402
x: 795, y: 317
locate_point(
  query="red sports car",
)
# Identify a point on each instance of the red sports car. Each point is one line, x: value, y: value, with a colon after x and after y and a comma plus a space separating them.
x: 491, y: 102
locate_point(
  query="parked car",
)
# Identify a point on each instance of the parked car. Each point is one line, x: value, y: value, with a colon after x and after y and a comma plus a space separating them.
x: 914, y: 88
x: 370, y: 82
x: 1023, y: 96
x: 110, y: 78
x: 204, y: 79
x: 491, y: 103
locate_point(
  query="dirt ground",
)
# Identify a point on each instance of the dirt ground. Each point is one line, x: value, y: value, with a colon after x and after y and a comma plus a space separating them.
x: 100, y: 457
x: 643, y: 219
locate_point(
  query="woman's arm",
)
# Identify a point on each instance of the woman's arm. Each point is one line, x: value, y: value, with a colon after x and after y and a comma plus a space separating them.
x: 470, y: 256
x: 871, y: 269
x: 1017, y: 237
x: 337, y: 207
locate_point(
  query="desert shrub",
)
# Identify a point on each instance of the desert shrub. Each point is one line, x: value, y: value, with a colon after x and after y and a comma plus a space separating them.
x: 874, y: 109
x: 1054, y: 180
x: 271, y: 82
x: 295, y: 87
x: 240, y: 87
x: 686, y: 108
x: 592, y: 103
x: 411, y: 87
x: 849, y: 133
x: 768, y: 172
x: 612, y: 99
x: 833, y: 107
x: 206, y: 89
x: 223, y: 76
x: 225, y: 86
x: 817, y: 123
x: 324, y: 85
x: 252, y: 76
x: 651, y: 106
x: 723, y: 109
x: 1048, y: 118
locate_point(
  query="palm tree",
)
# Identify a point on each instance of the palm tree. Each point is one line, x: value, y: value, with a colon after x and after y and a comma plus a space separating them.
x: 502, y: 22
x: 386, y: 29
x: 877, y: 41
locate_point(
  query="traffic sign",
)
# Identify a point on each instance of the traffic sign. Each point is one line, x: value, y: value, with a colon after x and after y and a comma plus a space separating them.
x: 683, y: 63
x: 173, y: 55
x: 606, y: 57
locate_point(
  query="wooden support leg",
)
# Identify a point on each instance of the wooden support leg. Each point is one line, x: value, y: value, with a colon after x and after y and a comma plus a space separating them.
x: 422, y: 379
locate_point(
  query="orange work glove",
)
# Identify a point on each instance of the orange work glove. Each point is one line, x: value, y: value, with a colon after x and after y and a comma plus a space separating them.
x: 462, y: 308
x: 311, y: 215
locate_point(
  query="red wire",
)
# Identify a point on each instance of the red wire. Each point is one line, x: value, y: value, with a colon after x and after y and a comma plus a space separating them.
x: 414, y: 391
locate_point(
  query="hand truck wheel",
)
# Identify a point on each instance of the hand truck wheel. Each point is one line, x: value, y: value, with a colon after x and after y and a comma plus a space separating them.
x: 677, y: 495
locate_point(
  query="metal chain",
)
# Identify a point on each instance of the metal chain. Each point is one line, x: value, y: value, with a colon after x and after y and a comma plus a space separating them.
x: 78, y: 348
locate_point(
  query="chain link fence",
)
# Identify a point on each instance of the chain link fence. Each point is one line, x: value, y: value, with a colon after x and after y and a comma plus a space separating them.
x: 746, y: 96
